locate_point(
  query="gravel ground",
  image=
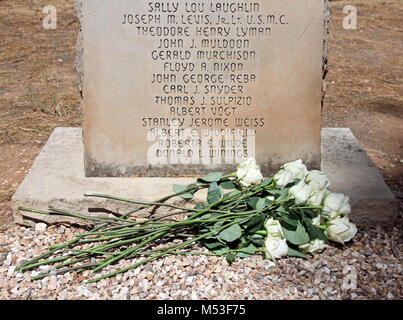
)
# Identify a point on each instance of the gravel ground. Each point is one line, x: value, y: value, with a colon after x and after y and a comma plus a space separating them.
x: 368, y: 268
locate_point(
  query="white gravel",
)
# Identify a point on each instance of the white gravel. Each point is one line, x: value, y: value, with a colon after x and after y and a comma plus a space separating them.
x: 365, y: 269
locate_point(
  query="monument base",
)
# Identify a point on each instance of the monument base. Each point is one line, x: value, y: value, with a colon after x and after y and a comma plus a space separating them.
x: 57, y: 179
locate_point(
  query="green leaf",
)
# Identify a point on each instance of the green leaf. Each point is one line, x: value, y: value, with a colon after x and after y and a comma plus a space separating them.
x: 228, y: 185
x: 310, y: 213
x: 214, y: 193
x: 231, y: 234
x: 258, y: 242
x: 295, y: 253
x: 231, y: 194
x: 256, y: 236
x: 187, y: 196
x: 179, y: 188
x: 255, y: 224
x: 213, y: 177
x: 261, y: 203
x: 315, y: 233
x: 266, y: 182
x: 219, y: 224
x: 221, y: 251
x: 297, y: 237
x: 231, y: 257
x: 250, y: 250
x: 213, y: 245
x: 283, y: 195
x: 293, y: 215
x: 252, y: 202
x: 280, y: 195
x: 289, y: 223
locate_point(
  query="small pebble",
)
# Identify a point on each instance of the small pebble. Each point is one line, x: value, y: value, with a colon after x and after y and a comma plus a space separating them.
x: 40, y: 228
x: 390, y: 296
x: 201, y: 277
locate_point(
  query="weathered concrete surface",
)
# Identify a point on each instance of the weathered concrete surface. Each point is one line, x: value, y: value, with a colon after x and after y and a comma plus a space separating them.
x: 118, y: 94
x: 57, y: 179
x: 352, y: 172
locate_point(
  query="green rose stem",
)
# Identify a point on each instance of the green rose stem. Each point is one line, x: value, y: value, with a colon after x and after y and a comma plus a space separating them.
x: 307, y: 207
x: 102, y: 219
x: 125, y: 228
x: 129, y: 251
x: 146, y: 253
x: 109, y: 219
x: 53, y: 249
x: 149, y: 204
x: 148, y: 221
x: 75, y: 215
x: 158, y: 235
x: 162, y: 200
x: 87, y: 266
x: 31, y: 264
x: 159, y: 202
x: 26, y: 266
x: 197, y: 212
x: 176, y: 213
x: 248, y: 195
x: 132, y: 230
x: 167, y: 226
x: 82, y: 257
x: 159, y: 218
x: 173, y: 249
x: 125, y: 253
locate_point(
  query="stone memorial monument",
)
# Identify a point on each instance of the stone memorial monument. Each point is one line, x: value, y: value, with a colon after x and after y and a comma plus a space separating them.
x: 186, y: 87
x: 173, y: 89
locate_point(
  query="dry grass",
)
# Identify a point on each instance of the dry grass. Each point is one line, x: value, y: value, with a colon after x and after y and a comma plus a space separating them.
x: 39, y: 87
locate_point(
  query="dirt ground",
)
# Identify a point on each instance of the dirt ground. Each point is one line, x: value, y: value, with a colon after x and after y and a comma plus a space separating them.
x: 38, y: 90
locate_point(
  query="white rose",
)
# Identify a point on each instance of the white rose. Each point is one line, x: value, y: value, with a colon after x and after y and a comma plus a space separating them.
x: 336, y: 204
x: 317, y: 195
x: 275, y: 243
x: 283, y: 178
x: 341, y: 230
x: 275, y: 248
x: 300, y: 192
x: 273, y: 228
x: 318, y: 179
x: 317, y: 221
x: 297, y: 168
x: 315, y: 246
x: 248, y: 173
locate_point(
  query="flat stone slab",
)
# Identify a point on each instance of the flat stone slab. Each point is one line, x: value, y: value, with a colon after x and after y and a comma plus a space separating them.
x: 352, y: 172
x: 57, y: 179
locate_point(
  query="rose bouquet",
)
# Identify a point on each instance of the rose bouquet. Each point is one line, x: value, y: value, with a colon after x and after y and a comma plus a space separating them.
x: 290, y: 214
